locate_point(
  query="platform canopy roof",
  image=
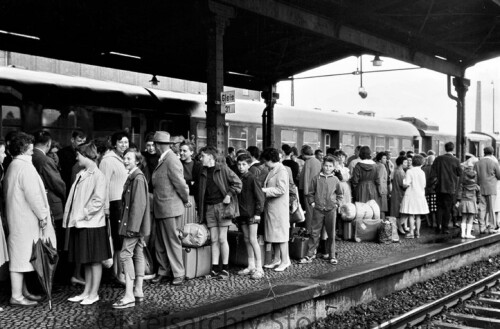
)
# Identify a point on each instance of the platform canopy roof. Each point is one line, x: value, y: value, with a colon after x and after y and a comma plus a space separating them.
x: 266, y: 40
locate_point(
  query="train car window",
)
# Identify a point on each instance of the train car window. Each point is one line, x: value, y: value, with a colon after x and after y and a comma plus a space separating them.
x: 258, y: 137
x: 52, y: 118
x: 348, y: 143
x: 201, y: 133
x: 407, y: 145
x: 311, y: 138
x: 107, y: 121
x: 379, y: 144
x: 289, y: 137
x: 11, y: 116
x: 238, y: 137
x: 365, y: 140
x: 394, y: 146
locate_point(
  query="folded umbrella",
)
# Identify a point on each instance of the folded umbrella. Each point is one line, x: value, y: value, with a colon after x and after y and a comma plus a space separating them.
x: 44, y: 259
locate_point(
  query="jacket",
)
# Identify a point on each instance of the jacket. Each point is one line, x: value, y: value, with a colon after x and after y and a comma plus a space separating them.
x: 170, y: 191
x: 51, y: 178
x: 113, y: 169
x: 325, y: 192
x: 445, y: 172
x: 488, y: 173
x: 251, y: 199
x: 227, y: 182
x: 135, y: 206
x: 468, y: 190
x: 86, y: 199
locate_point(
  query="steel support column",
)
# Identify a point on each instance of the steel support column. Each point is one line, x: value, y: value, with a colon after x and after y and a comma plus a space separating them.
x: 270, y: 96
x: 461, y: 86
x: 215, y: 74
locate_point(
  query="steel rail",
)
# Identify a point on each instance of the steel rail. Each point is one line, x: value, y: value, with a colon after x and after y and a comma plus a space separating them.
x: 420, y: 313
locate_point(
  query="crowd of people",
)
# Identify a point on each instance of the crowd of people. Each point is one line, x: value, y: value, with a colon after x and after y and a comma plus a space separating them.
x: 103, y: 203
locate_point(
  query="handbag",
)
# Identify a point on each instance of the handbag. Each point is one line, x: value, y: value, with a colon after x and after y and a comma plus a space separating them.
x: 298, y: 215
x: 230, y: 209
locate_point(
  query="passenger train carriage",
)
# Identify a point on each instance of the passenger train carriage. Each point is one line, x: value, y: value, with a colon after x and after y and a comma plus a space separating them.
x: 31, y: 100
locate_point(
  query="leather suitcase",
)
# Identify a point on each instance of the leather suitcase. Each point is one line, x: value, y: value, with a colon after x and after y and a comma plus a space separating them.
x: 297, y: 247
x: 238, y: 250
x: 197, y: 261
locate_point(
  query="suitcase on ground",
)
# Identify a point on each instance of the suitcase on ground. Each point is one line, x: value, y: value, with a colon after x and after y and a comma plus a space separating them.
x: 366, y: 229
x: 238, y: 251
x: 197, y: 261
x: 297, y: 247
x: 348, y: 230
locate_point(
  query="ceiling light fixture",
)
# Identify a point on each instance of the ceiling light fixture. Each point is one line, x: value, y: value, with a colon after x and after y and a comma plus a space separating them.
x: 27, y: 36
x: 154, y: 81
x: 441, y: 57
x: 123, y: 55
x: 377, y: 61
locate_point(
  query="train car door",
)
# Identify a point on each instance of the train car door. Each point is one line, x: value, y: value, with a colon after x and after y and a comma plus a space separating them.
x: 330, y: 139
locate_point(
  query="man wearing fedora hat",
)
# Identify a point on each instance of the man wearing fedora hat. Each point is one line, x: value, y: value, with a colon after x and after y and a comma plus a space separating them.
x: 170, y: 197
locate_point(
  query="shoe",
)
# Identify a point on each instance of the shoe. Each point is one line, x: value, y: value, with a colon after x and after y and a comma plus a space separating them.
x: 326, y: 256
x: 120, y: 305
x: 417, y: 236
x: 334, y: 261
x: 178, y: 281
x: 273, y: 264
x: 282, y: 267
x: 23, y: 302
x: 257, y: 275
x: 89, y: 301
x: 33, y: 298
x: 139, y: 299
x: 401, y: 231
x: 223, y: 275
x: 247, y: 271
x: 212, y: 275
x: 305, y: 260
x: 158, y: 278
x: 470, y: 236
x: 74, y: 281
x: 77, y: 299
x: 409, y: 236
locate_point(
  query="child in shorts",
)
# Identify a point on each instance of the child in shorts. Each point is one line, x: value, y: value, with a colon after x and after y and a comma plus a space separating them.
x: 251, y: 203
x: 325, y: 195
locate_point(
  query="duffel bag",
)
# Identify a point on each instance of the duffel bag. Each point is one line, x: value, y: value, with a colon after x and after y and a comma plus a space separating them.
x: 363, y: 211
x: 348, y: 212
x: 376, y: 209
x: 194, y: 235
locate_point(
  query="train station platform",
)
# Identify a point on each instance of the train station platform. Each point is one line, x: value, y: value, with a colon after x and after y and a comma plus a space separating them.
x: 297, y: 297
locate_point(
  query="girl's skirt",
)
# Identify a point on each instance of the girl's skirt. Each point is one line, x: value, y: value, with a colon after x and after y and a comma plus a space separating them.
x: 431, y: 202
x: 89, y: 245
x: 467, y: 207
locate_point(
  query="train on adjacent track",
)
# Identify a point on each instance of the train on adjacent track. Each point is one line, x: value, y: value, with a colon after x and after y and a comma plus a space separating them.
x: 32, y: 100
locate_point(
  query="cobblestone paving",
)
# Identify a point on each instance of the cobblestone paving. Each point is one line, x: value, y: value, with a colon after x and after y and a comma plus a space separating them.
x: 162, y: 299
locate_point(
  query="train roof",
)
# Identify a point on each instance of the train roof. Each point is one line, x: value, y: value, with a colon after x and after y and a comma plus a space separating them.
x: 251, y: 111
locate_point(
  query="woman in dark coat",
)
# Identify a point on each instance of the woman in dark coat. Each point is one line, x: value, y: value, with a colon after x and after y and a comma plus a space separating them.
x: 135, y: 223
x: 398, y: 190
x: 365, y: 179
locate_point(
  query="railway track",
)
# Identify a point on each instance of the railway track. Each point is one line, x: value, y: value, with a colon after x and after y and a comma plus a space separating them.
x: 485, y: 316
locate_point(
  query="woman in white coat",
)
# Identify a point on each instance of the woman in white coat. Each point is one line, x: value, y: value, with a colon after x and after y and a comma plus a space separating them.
x: 277, y: 209
x: 28, y: 216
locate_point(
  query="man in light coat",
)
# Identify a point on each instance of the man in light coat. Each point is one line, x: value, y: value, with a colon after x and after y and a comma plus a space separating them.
x: 312, y: 167
x: 170, y: 197
x: 488, y: 173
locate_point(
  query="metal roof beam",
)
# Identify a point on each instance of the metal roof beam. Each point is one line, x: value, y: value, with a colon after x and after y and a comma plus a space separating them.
x: 305, y: 20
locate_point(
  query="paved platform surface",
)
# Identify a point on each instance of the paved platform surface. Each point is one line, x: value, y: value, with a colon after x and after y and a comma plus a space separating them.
x: 163, y: 299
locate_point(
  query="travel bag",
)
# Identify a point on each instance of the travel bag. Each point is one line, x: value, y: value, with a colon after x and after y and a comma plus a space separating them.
x: 238, y: 251
x: 297, y: 246
x: 197, y: 261
x: 366, y: 229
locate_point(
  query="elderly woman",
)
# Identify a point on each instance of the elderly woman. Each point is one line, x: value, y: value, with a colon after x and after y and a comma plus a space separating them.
x: 365, y: 180
x: 135, y: 224
x: 383, y: 187
x: 28, y: 216
x: 87, y: 243
x: 191, y: 171
x: 276, y: 209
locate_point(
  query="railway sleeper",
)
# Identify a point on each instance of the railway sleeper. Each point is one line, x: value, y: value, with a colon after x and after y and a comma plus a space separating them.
x: 476, y: 321
x: 444, y: 325
x: 484, y: 311
x: 489, y: 302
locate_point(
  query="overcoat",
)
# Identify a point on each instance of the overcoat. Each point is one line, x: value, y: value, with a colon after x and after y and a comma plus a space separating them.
x: 398, y: 190
x: 170, y: 191
x: 277, y: 208
x: 488, y: 173
x: 135, y: 205
x: 51, y: 178
x: 26, y: 205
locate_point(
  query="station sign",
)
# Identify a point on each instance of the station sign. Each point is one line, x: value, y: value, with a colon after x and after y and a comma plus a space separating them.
x: 227, y: 100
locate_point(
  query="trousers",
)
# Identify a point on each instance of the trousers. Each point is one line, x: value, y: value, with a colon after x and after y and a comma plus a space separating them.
x: 168, y: 246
